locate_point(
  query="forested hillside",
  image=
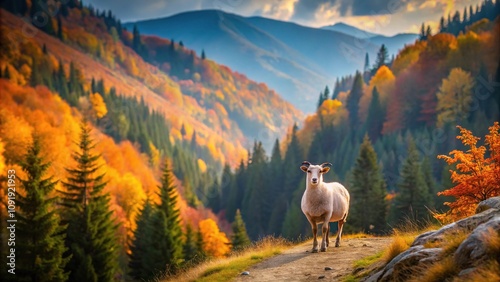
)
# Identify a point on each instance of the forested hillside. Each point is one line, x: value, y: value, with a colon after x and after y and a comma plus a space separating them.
x: 74, y: 84
x: 133, y: 155
x: 382, y: 135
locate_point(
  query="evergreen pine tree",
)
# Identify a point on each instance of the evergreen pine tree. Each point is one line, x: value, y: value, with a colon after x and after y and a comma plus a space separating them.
x: 413, y: 197
x: 368, y: 191
x: 203, y: 55
x: 382, y: 58
x: 40, y: 245
x: 429, y: 181
x: 136, y: 40
x: 367, y: 63
x: 6, y: 74
x: 140, y: 248
x: 240, y: 238
x: 59, y: 28
x: 91, y: 236
x: 428, y: 32
x: 376, y: 116
x: 336, y: 89
x: 166, y: 238
x: 190, y: 249
x: 274, y: 207
x: 352, y: 103
x: 422, y: 35
x: 253, y: 203
x: 36, y: 77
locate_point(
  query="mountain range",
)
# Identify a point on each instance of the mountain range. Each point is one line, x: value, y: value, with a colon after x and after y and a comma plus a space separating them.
x: 297, y: 61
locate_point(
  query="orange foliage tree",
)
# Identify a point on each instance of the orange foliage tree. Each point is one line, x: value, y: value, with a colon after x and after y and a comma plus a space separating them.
x: 215, y: 242
x: 475, y: 176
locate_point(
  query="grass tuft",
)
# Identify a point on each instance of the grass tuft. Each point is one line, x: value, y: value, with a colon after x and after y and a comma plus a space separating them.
x: 369, y: 260
x: 400, y: 243
x: 442, y: 270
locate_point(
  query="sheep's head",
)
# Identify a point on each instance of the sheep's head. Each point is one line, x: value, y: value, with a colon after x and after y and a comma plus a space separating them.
x: 315, y: 172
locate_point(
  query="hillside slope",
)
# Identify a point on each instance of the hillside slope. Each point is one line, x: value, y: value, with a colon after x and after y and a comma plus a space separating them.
x: 234, y: 109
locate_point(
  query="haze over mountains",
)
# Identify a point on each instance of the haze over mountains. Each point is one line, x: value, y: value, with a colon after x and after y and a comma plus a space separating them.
x: 295, y: 60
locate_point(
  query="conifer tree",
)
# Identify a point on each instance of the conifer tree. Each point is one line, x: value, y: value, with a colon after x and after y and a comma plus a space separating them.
x: 203, y: 55
x: 352, y: 103
x: 253, y: 201
x: 382, y: 58
x: 376, y: 117
x: 240, y: 238
x: 367, y: 63
x: 91, y: 236
x: 166, y: 238
x: 368, y: 191
x: 276, y: 208
x: 140, y: 248
x: 40, y: 236
x: 413, y: 197
x: 190, y: 249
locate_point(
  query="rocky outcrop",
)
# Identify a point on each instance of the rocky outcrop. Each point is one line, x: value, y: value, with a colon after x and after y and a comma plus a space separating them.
x: 471, y: 253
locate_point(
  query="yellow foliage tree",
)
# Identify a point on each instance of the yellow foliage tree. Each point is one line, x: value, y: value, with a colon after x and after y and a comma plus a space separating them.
x: 454, y: 97
x: 98, y: 105
x: 215, y: 242
x: 476, y: 176
x: 384, y: 80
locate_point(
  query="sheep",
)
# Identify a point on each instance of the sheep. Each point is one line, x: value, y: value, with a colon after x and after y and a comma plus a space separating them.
x: 323, y: 203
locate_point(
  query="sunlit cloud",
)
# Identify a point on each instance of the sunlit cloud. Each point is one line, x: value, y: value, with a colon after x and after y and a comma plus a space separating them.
x: 280, y: 10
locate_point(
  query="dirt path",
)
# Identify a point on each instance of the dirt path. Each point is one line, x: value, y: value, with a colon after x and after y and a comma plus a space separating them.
x: 299, y: 264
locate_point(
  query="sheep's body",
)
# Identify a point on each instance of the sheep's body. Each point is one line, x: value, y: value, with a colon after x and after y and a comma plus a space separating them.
x: 324, y: 203
x: 330, y: 198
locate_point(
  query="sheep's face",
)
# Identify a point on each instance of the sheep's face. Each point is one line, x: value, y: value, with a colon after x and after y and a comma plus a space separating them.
x: 315, y: 172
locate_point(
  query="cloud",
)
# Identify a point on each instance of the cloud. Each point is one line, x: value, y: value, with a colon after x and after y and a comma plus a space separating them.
x: 381, y: 16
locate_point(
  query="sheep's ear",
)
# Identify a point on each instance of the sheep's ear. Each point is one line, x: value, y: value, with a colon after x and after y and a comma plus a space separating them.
x: 325, y: 167
x: 305, y: 166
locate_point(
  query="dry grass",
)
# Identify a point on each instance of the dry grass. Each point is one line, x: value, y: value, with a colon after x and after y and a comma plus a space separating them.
x: 486, y: 273
x: 359, y: 235
x: 225, y: 268
x: 442, y: 270
x: 400, y: 243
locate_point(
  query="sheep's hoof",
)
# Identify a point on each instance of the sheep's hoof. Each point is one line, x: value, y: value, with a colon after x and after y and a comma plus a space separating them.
x: 323, y: 249
x: 314, y: 251
x: 337, y: 244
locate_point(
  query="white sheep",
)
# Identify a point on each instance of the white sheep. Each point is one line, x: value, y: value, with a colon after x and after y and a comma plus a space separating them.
x: 323, y: 203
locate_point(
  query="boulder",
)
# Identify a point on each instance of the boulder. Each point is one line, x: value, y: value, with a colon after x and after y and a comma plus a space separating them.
x: 491, y: 203
x: 398, y: 268
x: 474, y: 250
x: 467, y: 224
x: 471, y: 253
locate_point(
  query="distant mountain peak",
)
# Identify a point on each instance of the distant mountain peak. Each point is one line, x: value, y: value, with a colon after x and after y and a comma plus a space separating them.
x: 350, y: 30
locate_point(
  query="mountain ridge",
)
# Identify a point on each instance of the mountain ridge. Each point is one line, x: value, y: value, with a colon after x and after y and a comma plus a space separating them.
x: 294, y: 60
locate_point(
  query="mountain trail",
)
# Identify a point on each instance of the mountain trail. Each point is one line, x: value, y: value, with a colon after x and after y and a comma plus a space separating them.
x: 299, y: 264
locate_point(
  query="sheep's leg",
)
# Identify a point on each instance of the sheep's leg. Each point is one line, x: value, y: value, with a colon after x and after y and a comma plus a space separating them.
x: 339, y: 234
x: 327, y: 235
x: 314, y: 227
x: 325, y: 229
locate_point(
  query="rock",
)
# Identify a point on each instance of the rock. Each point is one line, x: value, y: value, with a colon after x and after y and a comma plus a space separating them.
x: 245, y: 273
x: 466, y: 224
x: 321, y: 277
x: 473, y: 251
x: 328, y: 268
x: 417, y: 256
x: 491, y: 203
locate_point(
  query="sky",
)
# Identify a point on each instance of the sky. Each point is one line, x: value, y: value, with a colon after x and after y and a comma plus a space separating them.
x: 386, y: 17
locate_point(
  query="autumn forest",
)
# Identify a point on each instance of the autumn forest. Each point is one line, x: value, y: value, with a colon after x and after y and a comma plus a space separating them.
x: 135, y: 157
